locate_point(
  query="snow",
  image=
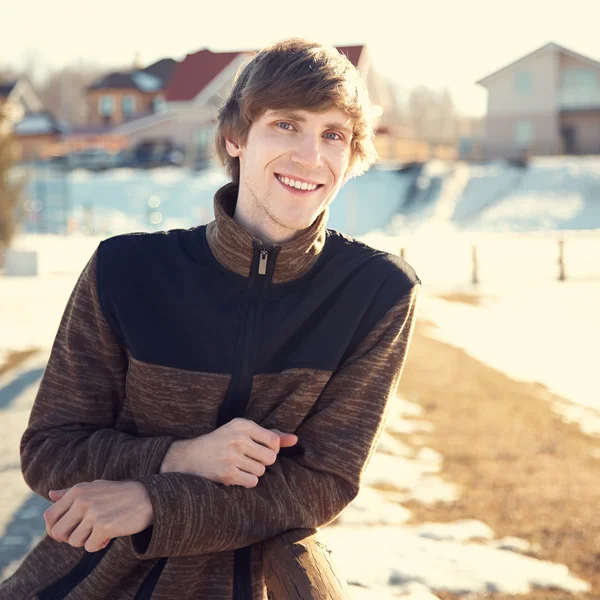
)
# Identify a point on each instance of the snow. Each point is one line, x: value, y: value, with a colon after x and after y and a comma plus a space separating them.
x: 34, y: 124
x: 117, y: 199
x: 381, y: 556
x: 556, y: 193
x: 146, y: 82
x: 455, y: 566
x: 374, y: 549
x: 545, y: 333
x: 529, y: 326
x: 553, y: 193
x: 414, y: 478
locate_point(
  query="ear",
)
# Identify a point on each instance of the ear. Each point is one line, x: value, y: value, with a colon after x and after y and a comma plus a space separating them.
x: 233, y: 148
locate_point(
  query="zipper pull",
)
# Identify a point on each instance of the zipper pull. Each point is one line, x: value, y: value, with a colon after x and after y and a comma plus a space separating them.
x: 262, y: 263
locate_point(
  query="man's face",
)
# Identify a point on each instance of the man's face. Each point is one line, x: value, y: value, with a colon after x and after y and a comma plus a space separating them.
x: 300, y: 145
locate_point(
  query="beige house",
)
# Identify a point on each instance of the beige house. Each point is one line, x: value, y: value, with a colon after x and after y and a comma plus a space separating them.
x: 547, y: 102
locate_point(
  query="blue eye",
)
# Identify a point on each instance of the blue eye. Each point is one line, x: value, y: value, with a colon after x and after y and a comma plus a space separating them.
x: 339, y: 137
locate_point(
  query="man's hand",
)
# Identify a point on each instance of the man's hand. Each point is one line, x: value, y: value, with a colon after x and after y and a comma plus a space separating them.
x: 91, y: 514
x: 235, y: 454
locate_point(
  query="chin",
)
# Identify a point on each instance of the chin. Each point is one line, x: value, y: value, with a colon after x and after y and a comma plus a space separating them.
x: 298, y: 223
x: 294, y: 220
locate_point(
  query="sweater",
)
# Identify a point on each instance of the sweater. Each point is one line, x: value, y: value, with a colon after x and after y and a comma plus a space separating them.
x: 169, y: 335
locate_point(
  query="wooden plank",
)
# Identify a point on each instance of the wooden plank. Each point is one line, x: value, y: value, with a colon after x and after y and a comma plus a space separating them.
x: 299, y: 567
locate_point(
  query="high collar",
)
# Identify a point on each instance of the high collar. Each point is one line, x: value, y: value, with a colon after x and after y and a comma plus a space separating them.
x: 233, y: 246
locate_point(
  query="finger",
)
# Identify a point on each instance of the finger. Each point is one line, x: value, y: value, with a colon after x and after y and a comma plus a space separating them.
x: 251, y: 466
x: 245, y: 479
x: 80, y: 535
x: 287, y: 439
x: 56, y: 495
x: 65, y: 526
x: 261, y: 453
x: 263, y: 436
x: 97, y: 540
x: 53, y: 514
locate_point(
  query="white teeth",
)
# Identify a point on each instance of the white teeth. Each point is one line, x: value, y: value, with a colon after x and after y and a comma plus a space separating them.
x: 299, y: 185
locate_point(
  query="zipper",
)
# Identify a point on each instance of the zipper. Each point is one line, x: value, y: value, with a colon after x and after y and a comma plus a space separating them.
x: 237, y: 397
x: 262, y: 276
x: 75, y: 576
x: 262, y: 262
x: 253, y: 304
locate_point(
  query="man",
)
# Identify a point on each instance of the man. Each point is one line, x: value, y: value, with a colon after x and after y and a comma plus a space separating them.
x: 213, y: 387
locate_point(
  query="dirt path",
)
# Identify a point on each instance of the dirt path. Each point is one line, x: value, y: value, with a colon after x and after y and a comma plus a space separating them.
x: 14, y: 358
x: 524, y: 472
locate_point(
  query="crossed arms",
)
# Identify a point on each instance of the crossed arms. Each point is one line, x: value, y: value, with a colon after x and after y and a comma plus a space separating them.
x: 71, y: 439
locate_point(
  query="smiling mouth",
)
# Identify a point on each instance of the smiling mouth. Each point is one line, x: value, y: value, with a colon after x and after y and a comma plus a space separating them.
x: 295, y: 189
x: 297, y: 185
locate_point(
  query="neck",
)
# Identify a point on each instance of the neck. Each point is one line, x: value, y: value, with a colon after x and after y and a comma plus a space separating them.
x: 232, y: 243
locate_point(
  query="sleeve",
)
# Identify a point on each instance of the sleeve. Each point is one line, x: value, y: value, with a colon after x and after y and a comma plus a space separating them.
x: 337, y: 439
x: 70, y: 436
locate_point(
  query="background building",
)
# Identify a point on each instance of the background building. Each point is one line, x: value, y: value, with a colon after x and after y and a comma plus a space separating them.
x: 547, y: 102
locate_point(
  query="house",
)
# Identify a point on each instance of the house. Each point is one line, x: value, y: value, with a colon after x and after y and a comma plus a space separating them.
x: 121, y: 96
x: 38, y: 135
x: 197, y: 90
x: 17, y: 97
x: 36, y: 130
x: 547, y: 102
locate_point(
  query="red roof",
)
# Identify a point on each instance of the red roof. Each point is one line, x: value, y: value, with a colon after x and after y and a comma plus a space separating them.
x: 197, y: 70
x: 352, y: 52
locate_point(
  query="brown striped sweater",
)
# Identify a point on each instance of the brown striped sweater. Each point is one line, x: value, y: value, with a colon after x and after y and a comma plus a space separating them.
x: 168, y: 335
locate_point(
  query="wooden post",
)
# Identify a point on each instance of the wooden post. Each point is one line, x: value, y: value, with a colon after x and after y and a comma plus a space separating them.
x: 561, y: 260
x: 299, y: 567
x: 402, y: 251
x: 474, y: 271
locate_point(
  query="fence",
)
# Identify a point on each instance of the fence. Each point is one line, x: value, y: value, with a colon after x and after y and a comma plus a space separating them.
x: 298, y: 567
x: 499, y: 258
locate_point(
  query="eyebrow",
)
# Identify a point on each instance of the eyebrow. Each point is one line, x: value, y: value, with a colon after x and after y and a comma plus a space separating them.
x: 298, y: 117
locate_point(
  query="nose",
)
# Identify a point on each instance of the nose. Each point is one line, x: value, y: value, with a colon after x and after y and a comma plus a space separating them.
x: 308, y: 152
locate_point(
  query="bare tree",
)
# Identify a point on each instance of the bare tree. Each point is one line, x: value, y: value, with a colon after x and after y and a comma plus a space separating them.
x: 446, y: 119
x: 422, y: 109
x: 432, y: 115
x: 11, y: 191
x: 63, y: 91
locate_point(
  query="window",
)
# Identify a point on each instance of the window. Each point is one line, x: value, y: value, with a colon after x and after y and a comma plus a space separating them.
x: 203, y: 142
x: 203, y: 135
x: 106, y: 105
x: 159, y: 104
x: 580, y: 88
x: 580, y: 78
x: 128, y: 105
x: 523, y: 133
x: 523, y: 82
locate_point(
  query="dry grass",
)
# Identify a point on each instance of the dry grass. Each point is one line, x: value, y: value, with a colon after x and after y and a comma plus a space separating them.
x: 464, y: 297
x: 523, y: 470
x: 15, y: 358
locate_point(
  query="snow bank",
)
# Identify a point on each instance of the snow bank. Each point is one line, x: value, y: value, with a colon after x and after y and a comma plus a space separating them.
x: 399, y: 557
x: 545, y: 333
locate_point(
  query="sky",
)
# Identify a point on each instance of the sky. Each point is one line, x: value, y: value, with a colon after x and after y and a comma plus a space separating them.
x: 437, y: 43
